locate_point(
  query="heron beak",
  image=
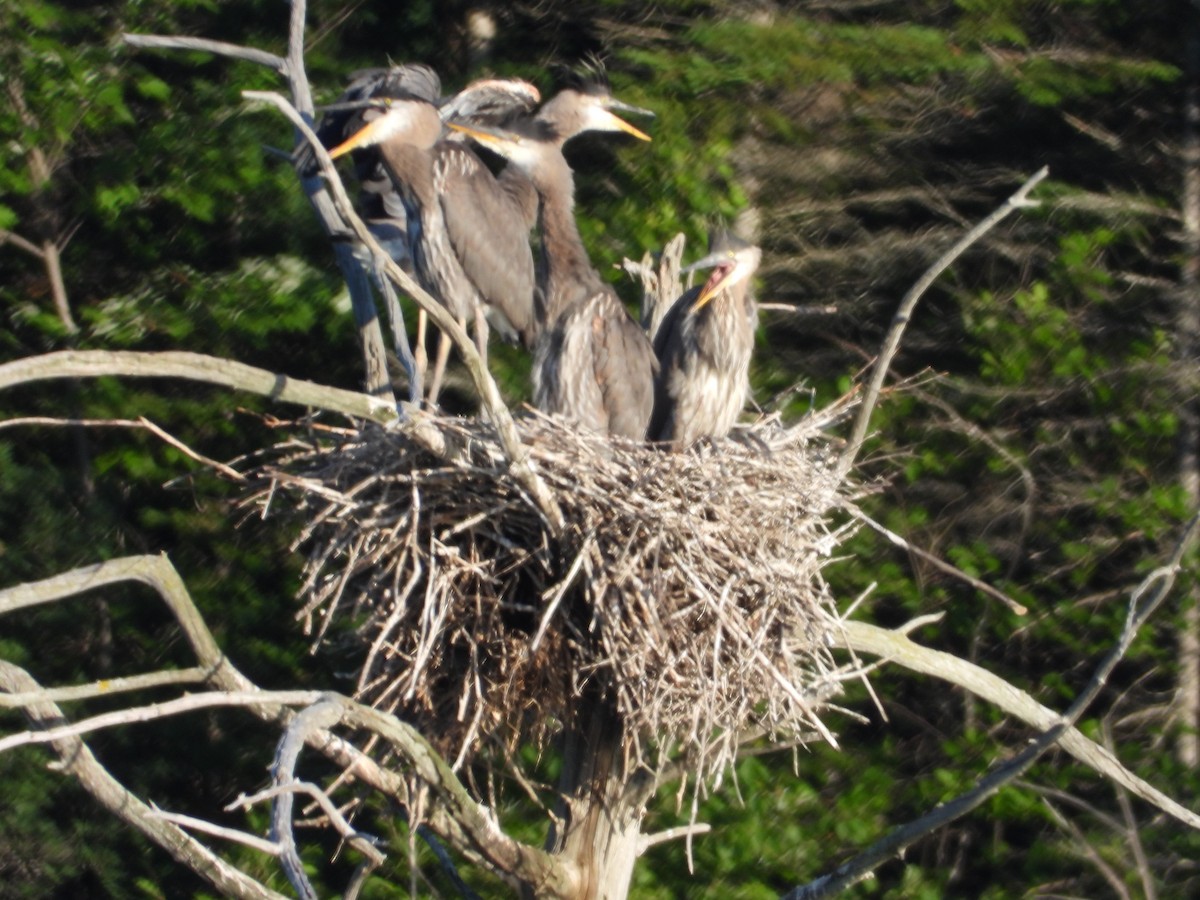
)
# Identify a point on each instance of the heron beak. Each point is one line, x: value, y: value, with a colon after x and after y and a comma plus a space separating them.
x: 371, y: 133
x: 489, y: 137
x: 616, y: 123
x: 716, y: 281
x: 399, y: 118
x: 729, y: 268
x: 613, y: 103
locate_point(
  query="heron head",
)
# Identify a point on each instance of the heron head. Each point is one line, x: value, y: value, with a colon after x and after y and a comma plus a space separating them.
x: 732, y: 261
x: 598, y: 114
x: 411, y: 120
x: 523, y: 145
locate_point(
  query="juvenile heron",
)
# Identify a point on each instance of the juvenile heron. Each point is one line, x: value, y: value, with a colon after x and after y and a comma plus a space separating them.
x: 467, y: 231
x: 704, y: 346
x: 363, y: 101
x: 594, y: 363
x: 380, y: 205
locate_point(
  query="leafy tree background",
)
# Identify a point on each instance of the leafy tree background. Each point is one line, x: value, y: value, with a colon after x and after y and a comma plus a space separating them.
x: 1038, y: 448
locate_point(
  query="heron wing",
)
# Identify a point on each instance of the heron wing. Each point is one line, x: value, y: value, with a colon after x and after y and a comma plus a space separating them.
x: 490, y: 237
x: 668, y: 348
x: 623, y: 364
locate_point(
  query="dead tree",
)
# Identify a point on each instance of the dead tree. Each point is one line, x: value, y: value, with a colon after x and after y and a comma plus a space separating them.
x: 521, y: 582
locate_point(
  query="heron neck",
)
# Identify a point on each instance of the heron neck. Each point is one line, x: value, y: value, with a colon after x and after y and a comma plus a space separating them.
x: 565, y: 265
x: 411, y: 169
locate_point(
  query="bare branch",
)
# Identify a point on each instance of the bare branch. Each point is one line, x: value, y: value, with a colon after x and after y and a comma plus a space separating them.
x: 1086, y: 850
x: 154, y: 571
x: 77, y: 760
x: 220, y: 48
x: 108, y: 687
x: 646, y: 841
x: 321, y: 715
x: 195, y: 367
x: 1133, y: 837
x: 229, y: 834
x: 152, y: 711
x: 896, y: 648
x: 369, y: 332
x: 140, y: 422
x: 362, y: 842
x: 11, y: 237
x: 939, y: 563
x: 891, y: 342
x: 1058, y: 729
x: 456, y: 817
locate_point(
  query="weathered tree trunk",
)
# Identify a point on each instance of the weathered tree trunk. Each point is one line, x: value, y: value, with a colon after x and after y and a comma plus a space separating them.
x: 1188, y: 320
x: 601, y: 807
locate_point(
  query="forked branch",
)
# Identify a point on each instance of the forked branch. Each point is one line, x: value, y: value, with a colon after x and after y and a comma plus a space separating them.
x: 891, y: 343
x: 455, y: 816
x: 1057, y: 729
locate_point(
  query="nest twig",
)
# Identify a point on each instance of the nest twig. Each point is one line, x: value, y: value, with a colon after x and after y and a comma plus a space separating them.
x: 686, y: 587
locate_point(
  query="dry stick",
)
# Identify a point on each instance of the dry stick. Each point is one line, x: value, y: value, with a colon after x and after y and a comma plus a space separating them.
x: 77, y: 760
x: 292, y: 68
x: 1059, y: 729
x: 108, y: 687
x: 1027, y: 480
x: 207, y: 827
x: 221, y: 48
x: 153, y: 711
x: 320, y: 796
x: 493, y: 403
x: 938, y: 563
x: 139, y: 422
x: 646, y: 841
x: 1132, y: 833
x: 460, y: 821
x: 895, y: 647
x: 11, y: 237
x: 196, y: 367
x: 226, y: 373
x: 1086, y: 850
x: 891, y: 343
x: 322, y: 715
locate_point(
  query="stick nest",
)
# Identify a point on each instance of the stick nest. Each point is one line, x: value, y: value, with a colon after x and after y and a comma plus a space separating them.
x: 686, y: 588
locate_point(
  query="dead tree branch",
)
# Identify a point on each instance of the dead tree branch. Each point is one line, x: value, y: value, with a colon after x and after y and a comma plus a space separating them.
x: 76, y: 759
x: 195, y: 367
x: 108, y: 687
x: 455, y: 817
x: 891, y: 343
x: 938, y: 563
x: 370, y: 333
x: 1057, y: 728
x: 203, y: 45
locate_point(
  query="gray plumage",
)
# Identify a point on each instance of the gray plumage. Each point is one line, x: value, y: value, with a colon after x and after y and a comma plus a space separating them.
x: 704, y: 353
x: 363, y: 101
x: 593, y: 363
x: 467, y: 231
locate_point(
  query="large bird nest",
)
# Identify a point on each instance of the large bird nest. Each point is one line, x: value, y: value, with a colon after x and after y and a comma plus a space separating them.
x: 686, y: 587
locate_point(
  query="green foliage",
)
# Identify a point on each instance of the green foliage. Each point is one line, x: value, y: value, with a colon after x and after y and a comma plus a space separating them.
x: 180, y: 233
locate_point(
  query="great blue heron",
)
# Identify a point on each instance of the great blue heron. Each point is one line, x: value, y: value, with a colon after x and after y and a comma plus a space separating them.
x: 593, y: 364
x: 380, y: 205
x: 704, y: 346
x: 363, y: 101
x: 449, y: 195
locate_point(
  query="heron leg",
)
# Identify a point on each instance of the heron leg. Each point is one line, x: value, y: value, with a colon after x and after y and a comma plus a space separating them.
x: 482, y: 332
x: 416, y: 375
x: 439, y: 365
x: 420, y: 354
